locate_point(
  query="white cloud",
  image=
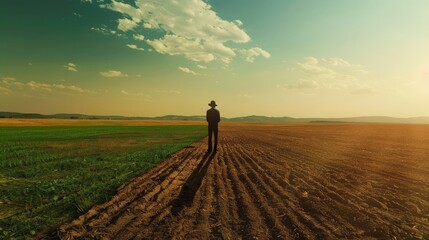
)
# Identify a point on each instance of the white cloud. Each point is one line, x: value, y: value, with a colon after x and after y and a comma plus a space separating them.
x: 187, y: 70
x: 251, y: 54
x: 336, y: 61
x: 71, y: 67
x: 5, y: 91
x: 106, y: 31
x: 191, y: 48
x: 126, y: 9
x: 137, y: 95
x: 126, y: 24
x: 329, y: 73
x: 342, y: 64
x: 39, y: 86
x: 91, y: 1
x: 192, y: 28
x: 300, y: 84
x: 238, y: 22
x: 138, y: 37
x: 71, y: 87
x: 313, y: 69
x: 193, y: 18
x: 132, y: 46
x: 36, y: 86
x: 147, y: 25
x: 7, y: 80
x: 201, y: 66
x: 10, y: 84
x: 103, y: 30
x: 311, y: 66
x: 330, y: 68
x: 113, y: 73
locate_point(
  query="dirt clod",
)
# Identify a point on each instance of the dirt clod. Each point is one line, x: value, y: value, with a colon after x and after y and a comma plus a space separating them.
x: 304, y: 181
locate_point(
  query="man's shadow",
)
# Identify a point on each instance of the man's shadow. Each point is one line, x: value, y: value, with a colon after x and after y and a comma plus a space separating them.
x: 192, y: 184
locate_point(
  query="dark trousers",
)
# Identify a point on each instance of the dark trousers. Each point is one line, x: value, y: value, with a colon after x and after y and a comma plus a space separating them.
x: 212, y: 131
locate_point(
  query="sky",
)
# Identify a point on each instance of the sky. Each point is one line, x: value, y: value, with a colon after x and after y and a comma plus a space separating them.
x: 295, y: 58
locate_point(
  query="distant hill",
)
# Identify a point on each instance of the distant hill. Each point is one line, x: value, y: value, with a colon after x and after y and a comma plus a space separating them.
x: 255, y: 118
x: 365, y: 119
x: 382, y: 119
x: 21, y: 115
x: 252, y: 118
x: 178, y: 117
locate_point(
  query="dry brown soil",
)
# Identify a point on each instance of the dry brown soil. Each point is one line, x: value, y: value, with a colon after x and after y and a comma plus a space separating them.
x: 280, y: 181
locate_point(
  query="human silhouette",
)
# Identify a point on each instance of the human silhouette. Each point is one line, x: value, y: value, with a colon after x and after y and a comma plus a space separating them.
x: 213, y: 118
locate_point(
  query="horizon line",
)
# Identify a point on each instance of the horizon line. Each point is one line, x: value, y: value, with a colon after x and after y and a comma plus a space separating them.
x: 196, y: 115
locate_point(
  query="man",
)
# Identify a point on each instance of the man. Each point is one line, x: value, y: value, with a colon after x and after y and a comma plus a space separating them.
x: 213, y: 118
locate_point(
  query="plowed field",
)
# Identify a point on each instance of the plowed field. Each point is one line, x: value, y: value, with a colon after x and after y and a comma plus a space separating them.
x: 305, y: 181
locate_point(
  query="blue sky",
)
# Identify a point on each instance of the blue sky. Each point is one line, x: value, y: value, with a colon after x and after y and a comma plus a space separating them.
x: 278, y: 58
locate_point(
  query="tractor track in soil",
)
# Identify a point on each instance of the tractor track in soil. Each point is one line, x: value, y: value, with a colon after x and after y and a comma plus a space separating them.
x: 303, y: 181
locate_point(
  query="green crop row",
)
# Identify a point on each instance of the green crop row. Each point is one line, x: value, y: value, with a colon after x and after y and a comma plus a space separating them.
x: 49, y: 175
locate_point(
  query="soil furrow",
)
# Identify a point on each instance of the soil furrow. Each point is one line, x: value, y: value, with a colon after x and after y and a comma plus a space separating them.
x: 277, y: 181
x: 284, y: 202
x: 247, y: 211
x: 230, y: 201
x: 155, y: 203
x: 275, y: 229
x: 148, y: 200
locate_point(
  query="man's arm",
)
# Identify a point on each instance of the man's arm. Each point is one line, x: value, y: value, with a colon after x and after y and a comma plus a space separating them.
x: 207, y: 116
x: 218, y: 116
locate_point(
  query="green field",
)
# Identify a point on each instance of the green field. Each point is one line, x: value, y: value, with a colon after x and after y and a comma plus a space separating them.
x: 49, y: 175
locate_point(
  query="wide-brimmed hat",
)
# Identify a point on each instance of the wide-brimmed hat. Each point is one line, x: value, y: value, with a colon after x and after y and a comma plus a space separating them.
x: 212, y: 104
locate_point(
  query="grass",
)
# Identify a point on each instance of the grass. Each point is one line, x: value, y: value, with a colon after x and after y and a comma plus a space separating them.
x: 49, y: 175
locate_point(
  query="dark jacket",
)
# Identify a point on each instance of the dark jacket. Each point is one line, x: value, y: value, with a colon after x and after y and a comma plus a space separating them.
x: 213, y: 117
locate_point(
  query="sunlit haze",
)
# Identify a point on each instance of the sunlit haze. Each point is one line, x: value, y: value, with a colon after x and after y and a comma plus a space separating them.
x: 331, y: 58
